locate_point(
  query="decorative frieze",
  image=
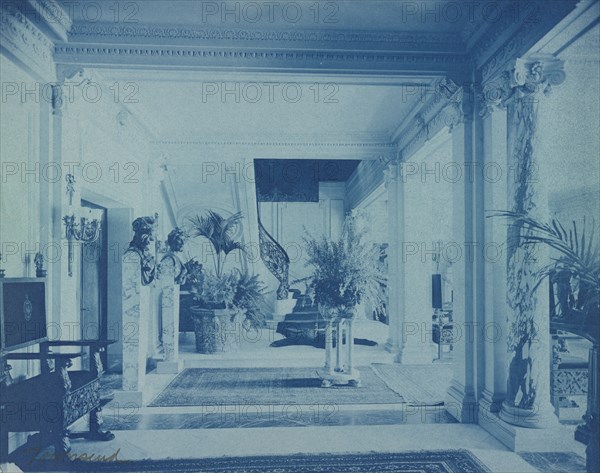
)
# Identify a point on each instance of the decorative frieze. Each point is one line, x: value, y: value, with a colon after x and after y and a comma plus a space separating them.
x: 24, y: 40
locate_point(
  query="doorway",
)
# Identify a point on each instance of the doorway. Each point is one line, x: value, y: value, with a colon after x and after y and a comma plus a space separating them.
x: 93, y: 289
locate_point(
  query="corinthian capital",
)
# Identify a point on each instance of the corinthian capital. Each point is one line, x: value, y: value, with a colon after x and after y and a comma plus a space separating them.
x: 531, y: 75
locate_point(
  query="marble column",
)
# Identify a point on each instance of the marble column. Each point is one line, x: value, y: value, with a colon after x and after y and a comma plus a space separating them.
x: 527, y: 401
x: 395, y: 284
x: 461, y: 401
x: 494, y: 167
x: 527, y: 349
x: 169, y: 308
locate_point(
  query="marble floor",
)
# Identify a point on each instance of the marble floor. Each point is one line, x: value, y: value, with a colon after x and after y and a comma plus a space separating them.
x: 214, y: 431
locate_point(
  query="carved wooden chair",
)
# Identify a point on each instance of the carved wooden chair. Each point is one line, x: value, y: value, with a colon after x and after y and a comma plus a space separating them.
x: 53, y: 400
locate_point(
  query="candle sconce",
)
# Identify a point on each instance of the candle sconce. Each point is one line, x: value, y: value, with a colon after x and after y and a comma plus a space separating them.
x: 84, y: 229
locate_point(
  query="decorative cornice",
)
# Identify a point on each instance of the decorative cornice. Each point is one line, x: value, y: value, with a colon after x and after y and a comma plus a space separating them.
x: 395, y: 39
x: 446, y: 108
x: 307, y: 60
x: 531, y: 75
x: 303, y: 144
x: 24, y: 40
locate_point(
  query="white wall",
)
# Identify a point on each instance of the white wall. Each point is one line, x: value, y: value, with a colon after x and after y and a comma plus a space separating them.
x: 569, y: 142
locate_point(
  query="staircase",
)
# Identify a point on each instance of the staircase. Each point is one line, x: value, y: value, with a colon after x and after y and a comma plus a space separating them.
x: 275, y: 259
x: 304, y: 325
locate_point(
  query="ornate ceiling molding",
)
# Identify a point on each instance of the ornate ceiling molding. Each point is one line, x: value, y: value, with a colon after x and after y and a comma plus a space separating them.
x: 300, y: 60
x: 447, y: 108
x: 397, y: 40
x: 509, y: 39
x: 24, y: 40
x: 193, y: 151
x: 278, y: 144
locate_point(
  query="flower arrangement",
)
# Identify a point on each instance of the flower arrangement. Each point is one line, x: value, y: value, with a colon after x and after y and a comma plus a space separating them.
x: 347, y: 271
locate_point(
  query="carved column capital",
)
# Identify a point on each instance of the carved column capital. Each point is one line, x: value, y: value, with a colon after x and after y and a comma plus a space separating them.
x: 391, y: 171
x: 532, y: 75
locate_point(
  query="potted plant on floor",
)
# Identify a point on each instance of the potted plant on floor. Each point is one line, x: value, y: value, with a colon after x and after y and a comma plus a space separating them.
x: 574, y: 264
x: 346, y: 272
x: 217, y: 320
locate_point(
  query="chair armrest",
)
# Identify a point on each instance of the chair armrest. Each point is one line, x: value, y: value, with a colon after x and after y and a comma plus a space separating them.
x: 79, y: 343
x: 40, y: 356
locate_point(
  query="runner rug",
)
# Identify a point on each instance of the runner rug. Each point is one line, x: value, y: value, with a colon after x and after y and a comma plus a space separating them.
x: 269, y: 386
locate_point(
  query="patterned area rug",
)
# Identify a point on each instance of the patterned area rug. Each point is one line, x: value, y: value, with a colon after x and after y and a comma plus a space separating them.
x: 555, y: 462
x: 269, y: 386
x: 448, y: 461
x: 417, y: 384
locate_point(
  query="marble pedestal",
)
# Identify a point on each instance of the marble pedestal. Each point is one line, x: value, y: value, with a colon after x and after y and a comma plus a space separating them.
x: 169, y: 307
x: 135, y: 333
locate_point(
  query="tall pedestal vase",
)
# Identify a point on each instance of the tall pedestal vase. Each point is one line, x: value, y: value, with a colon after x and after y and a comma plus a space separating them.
x: 344, y: 372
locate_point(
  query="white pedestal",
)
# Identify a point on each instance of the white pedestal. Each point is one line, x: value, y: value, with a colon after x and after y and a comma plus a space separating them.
x: 135, y: 332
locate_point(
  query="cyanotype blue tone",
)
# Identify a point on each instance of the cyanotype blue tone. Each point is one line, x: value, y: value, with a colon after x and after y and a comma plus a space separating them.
x: 299, y: 236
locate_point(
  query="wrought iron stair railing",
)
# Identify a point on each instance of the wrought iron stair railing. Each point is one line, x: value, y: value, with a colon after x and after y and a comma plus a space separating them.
x: 275, y: 258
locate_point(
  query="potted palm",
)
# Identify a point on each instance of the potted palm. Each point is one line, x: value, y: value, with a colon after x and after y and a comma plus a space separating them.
x: 216, y: 318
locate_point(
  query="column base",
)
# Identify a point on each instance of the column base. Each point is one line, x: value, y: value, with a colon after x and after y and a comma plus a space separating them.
x: 129, y: 398
x: 524, y: 439
x: 541, y: 418
x: 463, y: 407
x: 169, y: 367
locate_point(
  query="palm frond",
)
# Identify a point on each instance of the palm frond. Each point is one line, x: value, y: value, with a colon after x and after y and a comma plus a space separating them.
x: 576, y: 250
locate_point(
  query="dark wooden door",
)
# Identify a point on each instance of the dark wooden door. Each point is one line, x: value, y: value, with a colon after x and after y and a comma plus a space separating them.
x: 94, y: 283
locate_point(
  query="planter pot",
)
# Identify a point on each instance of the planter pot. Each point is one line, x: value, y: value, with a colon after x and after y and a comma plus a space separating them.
x: 217, y: 330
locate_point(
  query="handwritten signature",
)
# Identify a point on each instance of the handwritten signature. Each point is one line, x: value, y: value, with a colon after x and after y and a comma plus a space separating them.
x: 38, y: 454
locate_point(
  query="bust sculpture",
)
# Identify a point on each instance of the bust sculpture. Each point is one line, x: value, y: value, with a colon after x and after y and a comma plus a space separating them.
x: 143, y: 229
x: 175, y: 242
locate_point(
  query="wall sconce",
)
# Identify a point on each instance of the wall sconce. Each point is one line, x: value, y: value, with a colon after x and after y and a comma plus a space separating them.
x: 84, y: 229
